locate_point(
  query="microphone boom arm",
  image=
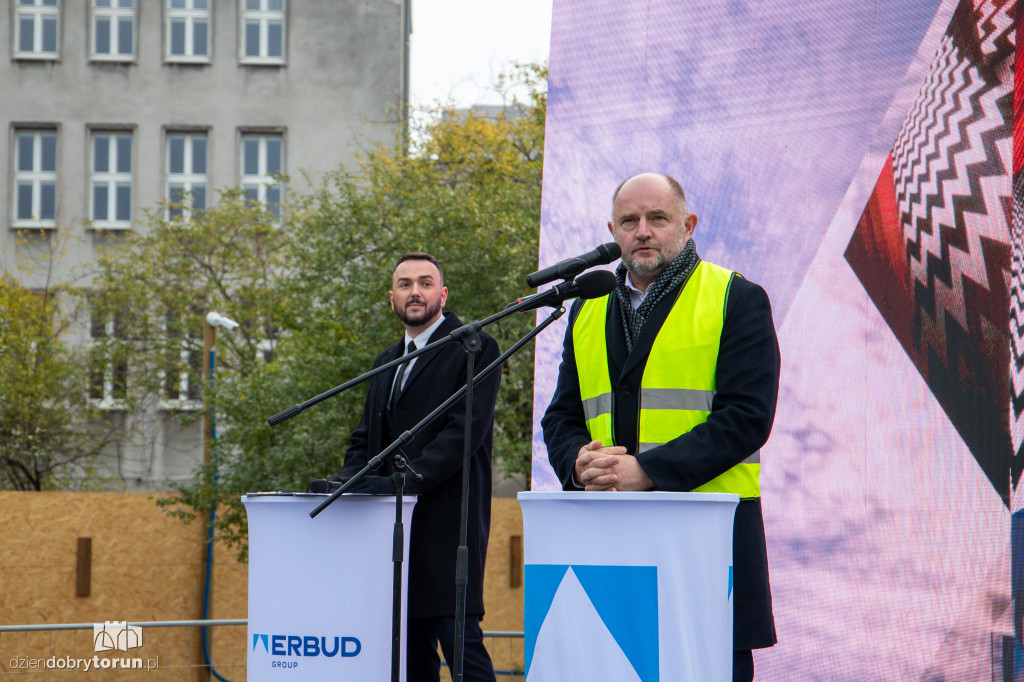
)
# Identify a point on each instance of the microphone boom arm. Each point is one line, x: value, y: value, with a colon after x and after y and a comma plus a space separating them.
x: 551, y: 297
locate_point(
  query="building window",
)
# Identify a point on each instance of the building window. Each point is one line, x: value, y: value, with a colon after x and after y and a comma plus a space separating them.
x: 261, y: 167
x: 263, y: 27
x: 108, y: 369
x: 186, y: 174
x: 36, y: 22
x: 35, y: 178
x: 111, y: 196
x: 184, y: 373
x: 113, y: 29
x: 188, y: 30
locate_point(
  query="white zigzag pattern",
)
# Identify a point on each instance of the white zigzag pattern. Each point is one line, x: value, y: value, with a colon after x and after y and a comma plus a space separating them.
x: 1017, y: 316
x: 914, y: 139
x: 990, y: 222
x: 998, y: 13
x: 918, y: 159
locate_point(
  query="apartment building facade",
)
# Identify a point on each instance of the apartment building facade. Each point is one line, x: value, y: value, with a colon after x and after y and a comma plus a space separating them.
x: 110, y: 106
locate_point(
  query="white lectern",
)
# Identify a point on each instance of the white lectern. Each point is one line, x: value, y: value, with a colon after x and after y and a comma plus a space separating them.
x: 320, y: 589
x: 628, y: 586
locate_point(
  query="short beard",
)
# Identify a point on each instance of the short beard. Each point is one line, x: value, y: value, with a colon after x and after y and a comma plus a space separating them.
x: 416, y: 320
x: 646, y: 268
x: 654, y: 268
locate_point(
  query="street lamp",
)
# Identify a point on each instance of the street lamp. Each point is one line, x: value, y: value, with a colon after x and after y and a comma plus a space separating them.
x: 214, y: 320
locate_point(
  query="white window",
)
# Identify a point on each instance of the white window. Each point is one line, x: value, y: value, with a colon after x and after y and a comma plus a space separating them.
x: 186, y: 174
x: 188, y: 30
x: 263, y: 34
x: 36, y: 23
x: 35, y: 178
x: 111, y: 195
x: 181, y: 388
x: 113, y: 29
x: 261, y: 162
x: 108, y: 370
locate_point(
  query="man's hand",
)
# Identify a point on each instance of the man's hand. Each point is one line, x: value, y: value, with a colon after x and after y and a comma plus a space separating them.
x: 609, y: 468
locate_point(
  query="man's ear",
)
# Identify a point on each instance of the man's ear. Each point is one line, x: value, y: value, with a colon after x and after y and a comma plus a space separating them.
x: 691, y: 224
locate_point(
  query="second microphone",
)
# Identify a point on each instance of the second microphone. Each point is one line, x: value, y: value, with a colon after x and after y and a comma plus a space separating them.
x: 570, y: 267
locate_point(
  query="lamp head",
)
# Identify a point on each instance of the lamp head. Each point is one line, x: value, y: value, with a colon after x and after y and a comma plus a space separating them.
x: 215, y: 319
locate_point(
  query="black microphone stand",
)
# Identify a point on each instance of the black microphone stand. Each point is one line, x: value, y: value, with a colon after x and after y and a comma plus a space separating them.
x: 462, y: 559
x: 469, y: 336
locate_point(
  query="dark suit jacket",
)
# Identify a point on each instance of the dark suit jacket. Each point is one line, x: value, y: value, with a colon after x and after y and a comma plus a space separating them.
x: 742, y: 413
x: 436, y: 454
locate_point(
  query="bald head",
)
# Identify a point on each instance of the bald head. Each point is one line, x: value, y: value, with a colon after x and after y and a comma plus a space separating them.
x: 672, y: 183
x: 651, y: 224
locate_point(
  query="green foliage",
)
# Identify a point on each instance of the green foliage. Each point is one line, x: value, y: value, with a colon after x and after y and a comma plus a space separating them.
x: 470, y: 195
x: 159, y: 283
x: 468, y: 192
x: 50, y: 432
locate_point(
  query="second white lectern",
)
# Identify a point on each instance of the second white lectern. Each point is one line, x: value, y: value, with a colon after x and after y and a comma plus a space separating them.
x: 320, y: 589
x: 628, y: 586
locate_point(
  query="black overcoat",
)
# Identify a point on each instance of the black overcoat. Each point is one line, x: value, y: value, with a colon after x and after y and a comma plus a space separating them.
x: 436, y: 454
x: 742, y: 412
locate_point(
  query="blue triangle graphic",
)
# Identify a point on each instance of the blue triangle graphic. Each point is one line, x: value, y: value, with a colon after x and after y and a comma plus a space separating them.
x: 730, y: 583
x: 260, y: 638
x: 541, y: 583
x: 626, y: 598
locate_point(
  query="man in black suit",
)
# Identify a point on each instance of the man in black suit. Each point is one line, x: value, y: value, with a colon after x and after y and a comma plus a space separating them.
x: 670, y: 383
x: 395, y: 402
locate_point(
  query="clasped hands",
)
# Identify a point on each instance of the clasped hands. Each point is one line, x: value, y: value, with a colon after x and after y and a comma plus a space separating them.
x: 609, y: 468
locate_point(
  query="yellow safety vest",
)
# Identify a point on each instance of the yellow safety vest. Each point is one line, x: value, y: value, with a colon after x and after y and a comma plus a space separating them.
x: 678, y: 382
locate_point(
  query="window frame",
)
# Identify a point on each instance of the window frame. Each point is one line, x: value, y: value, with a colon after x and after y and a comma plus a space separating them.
x: 36, y: 176
x: 189, y: 395
x: 39, y: 13
x: 263, y: 17
x: 189, y: 15
x: 189, y: 179
x: 262, y: 180
x: 112, y: 179
x: 114, y: 15
x: 114, y: 373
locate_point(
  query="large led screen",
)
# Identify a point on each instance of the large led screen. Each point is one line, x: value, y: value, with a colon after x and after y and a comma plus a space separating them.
x: 857, y: 160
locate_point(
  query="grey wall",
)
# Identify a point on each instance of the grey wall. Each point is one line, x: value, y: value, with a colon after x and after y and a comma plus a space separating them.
x: 339, y: 90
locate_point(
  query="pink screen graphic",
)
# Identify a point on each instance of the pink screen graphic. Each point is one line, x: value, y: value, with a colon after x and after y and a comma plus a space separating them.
x: 856, y: 160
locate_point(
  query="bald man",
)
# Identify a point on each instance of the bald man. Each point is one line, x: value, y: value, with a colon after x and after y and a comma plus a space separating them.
x: 704, y: 337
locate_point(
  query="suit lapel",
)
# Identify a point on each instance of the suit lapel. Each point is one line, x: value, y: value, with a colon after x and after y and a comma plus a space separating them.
x: 451, y: 322
x: 384, y: 380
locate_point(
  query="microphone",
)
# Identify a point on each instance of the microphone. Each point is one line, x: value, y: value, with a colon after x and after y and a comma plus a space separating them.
x: 571, y: 267
x: 589, y: 285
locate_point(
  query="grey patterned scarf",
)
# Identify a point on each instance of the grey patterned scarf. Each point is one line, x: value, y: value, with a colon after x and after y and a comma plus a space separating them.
x: 675, y: 272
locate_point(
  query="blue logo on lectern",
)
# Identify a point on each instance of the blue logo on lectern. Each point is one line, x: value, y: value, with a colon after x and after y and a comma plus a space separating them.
x: 307, y: 645
x: 624, y: 597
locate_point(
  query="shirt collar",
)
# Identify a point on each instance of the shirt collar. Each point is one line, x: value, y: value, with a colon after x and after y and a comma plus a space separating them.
x: 636, y: 297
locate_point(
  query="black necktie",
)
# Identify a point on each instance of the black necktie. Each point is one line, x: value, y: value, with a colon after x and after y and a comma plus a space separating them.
x: 397, y: 389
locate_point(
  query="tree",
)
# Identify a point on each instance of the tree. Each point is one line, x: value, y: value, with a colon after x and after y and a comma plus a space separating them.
x: 469, y: 193
x: 159, y: 282
x: 51, y: 432
x: 316, y: 282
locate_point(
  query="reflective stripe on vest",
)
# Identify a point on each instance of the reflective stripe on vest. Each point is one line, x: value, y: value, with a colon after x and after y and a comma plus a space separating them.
x: 678, y: 383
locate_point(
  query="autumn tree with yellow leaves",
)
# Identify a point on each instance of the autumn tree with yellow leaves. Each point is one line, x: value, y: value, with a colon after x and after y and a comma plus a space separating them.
x: 51, y: 432
x: 465, y: 187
